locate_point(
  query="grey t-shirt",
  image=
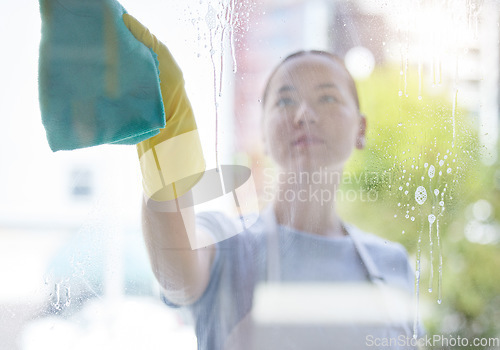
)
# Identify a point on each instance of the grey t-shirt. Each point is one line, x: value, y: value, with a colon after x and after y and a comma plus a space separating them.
x: 241, y: 264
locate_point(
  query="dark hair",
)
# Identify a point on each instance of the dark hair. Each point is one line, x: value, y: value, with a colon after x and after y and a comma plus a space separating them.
x: 329, y: 55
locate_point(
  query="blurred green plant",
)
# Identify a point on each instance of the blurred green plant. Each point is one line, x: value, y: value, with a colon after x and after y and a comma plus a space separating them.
x: 421, y: 171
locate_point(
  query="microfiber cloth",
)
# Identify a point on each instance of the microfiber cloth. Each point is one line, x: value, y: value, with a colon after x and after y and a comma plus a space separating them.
x: 97, y: 83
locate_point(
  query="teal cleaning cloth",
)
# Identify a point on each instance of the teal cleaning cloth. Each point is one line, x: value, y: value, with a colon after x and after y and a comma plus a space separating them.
x: 97, y: 83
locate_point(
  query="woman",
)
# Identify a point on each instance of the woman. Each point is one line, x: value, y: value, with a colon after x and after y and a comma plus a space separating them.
x: 311, y: 124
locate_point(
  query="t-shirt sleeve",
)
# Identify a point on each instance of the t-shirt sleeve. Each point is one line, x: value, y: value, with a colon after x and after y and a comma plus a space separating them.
x: 227, y: 298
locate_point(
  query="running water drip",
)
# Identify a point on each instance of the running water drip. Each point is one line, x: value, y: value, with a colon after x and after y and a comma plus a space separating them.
x: 436, y: 70
x: 404, y: 50
x: 420, y: 80
x: 221, y: 68
x: 57, y: 296
x: 440, y: 266
x: 473, y: 8
x: 417, y: 287
x: 68, y: 297
x: 431, y: 218
x: 420, y: 45
x: 440, y: 33
x: 406, y: 67
x: 211, y: 21
x: 401, y: 68
x: 221, y: 19
x: 232, y: 25
x: 453, y: 116
x: 61, y: 296
x: 440, y: 70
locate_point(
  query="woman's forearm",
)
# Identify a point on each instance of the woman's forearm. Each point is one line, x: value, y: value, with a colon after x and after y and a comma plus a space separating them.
x: 183, y: 273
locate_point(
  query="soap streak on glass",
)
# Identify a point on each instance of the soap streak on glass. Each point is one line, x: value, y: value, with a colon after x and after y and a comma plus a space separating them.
x: 222, y: 20
x: 434, y: 32
x: 60, y: 301
x: 431, y: 219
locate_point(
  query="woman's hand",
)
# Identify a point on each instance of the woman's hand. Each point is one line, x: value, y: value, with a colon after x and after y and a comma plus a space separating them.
x: 171, y: 162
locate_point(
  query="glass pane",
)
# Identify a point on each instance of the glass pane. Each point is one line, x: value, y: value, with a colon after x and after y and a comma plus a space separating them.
x: 75, y: 266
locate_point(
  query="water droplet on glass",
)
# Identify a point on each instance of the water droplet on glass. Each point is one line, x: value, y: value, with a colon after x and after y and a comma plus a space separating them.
x: 436, y: 192
x: 426, y: 165
x: 441, y: 203
x: 420, y: 195
x: 432, y: 171
x: 412, y: 218
x: 68, y: 297
x: 56, y: 297
x: 441, y: 162
x: 439, y: 301
x: 448, y: 170
x: 431, y: 218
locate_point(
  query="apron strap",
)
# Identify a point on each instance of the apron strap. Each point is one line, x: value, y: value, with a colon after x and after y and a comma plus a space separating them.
x: 378, y: 280
x: 371, y: 268
x: 273, y: 273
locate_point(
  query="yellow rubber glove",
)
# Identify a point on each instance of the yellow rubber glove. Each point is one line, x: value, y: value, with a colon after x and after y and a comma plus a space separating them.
x: 171, y: 162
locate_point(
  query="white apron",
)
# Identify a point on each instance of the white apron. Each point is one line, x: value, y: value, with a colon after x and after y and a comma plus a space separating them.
x: 323, y: 316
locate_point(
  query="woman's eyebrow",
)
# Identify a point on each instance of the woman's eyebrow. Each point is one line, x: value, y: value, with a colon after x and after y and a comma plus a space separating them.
x: 327, y: 86
x: 286, y: 88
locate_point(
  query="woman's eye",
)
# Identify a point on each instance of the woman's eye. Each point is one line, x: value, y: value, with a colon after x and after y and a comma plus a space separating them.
x: 284, y: 102
x: 328, y: 99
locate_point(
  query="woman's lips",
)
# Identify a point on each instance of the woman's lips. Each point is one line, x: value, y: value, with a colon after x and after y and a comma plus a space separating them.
x: 308, y: 140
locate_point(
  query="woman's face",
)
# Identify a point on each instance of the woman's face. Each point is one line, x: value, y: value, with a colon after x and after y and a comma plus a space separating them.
x: 311, y: 119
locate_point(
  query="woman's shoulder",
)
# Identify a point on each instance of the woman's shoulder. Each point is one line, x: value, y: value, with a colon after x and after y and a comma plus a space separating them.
x: 224, y: 226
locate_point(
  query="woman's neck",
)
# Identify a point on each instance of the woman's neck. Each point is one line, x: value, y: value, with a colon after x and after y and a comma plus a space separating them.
x: 306, y: 201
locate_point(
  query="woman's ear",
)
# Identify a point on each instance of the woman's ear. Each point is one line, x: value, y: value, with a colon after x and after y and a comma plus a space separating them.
x: 361, y: 138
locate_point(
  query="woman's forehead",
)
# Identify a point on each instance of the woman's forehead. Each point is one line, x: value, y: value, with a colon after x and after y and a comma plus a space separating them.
x: 310, y: 69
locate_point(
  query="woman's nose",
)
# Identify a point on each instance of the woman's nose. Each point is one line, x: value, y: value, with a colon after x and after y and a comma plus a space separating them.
x: 305, y: 114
